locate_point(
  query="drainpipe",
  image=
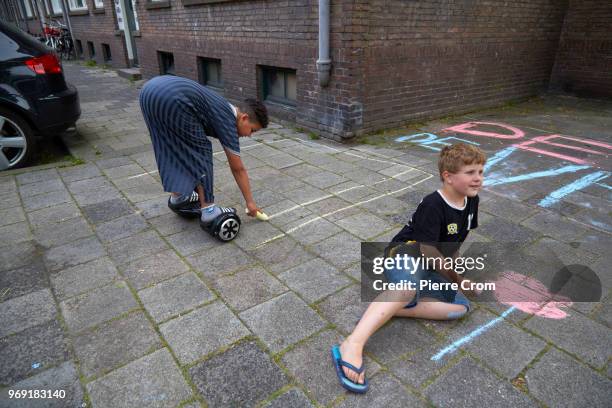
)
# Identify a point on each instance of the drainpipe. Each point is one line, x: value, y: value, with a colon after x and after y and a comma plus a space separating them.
x: 41, y: 16
x: 324, y: 62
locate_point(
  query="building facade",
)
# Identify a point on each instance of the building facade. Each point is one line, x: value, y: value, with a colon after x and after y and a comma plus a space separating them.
x: 392, y: 61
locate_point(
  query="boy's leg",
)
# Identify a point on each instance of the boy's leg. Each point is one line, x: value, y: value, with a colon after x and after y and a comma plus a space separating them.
x: 376, y: 315
x: 433, y: 309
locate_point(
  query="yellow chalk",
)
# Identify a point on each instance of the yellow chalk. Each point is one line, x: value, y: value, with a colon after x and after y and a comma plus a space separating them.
x: 260, y: 215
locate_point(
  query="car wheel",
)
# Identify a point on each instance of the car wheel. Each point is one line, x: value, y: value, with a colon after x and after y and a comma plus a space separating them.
x: 16, y: 141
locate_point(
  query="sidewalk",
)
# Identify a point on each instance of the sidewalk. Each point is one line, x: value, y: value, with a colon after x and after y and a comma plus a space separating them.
x: 108, y: 295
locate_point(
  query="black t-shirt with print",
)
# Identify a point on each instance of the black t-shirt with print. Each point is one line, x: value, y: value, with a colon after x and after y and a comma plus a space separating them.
x: 439, y: 223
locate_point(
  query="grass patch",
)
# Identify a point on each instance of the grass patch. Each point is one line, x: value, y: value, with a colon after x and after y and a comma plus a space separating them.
x: 313, y: 136
x: 91, y: 63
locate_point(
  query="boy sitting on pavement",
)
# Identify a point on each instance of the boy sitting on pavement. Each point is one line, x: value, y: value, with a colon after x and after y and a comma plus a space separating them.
x: 181, y: 115
x: 439, y: 225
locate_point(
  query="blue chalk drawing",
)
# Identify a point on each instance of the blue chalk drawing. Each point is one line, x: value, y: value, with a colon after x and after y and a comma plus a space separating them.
x: 429, y: 139
x: 499, y: 156
x: 477, y: 332
x: 579, y: 184
x: 604, y: 185
x: 537, y: 174
x: 36, y: 365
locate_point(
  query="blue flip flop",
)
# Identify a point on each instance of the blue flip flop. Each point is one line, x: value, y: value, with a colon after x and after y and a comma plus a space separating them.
x: 345, y: 382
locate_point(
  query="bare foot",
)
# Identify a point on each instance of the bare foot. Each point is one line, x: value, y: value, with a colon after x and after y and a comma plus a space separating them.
x: 352, y: 352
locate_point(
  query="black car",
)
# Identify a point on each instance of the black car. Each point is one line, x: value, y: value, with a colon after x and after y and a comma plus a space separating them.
x: 35, y: 99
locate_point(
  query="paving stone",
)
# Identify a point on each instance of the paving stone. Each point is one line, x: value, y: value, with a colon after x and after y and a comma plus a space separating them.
x: 364, y: 226
x: 559, y: 380
x: 281, y: 254
x: 385, y: 391
x: 97, y: 306
x: 554, y: 225
x: 154, y: 268
x: 11, y: 216
x: 76, y: 173
x: 310, y: 364
x: 74, y: 253
x: 40, y: 187
x: 26, y: 311
x: 143, y: 244
x: 35, y: 176
x: 240, y: 377
x: 324, y: 179
x: 501, y: 230
x: 311, y: 231
x: 21, y: 281
x: 88, y: 185
x: 418, y: 368
x: 254, y: 233
x: 170, y: 224
x: 8, y: 185
x: 282, y: 321
x: 331, y: 208
x: 202, y: 331
x: 220, y: 261
x: 127, y: 170
x: 113, y: 162
x: 341, y: 250
x: 154, y: 208
x: 385, y: 207
x: 107, y: 210
x: 104, y: 193
x: 286, y: 212
x: 193, y: 240
x: 259, y: 285
x: 581, y: 336
x: 81, y: 278
x: 502, y: 347
x: 314, y: 279
x: 151, y: 381
x: 15, y: 233
x: 344, y: 309
x: 64, y: 377
x: 305, y: 194
x: 144, y: 192
x: 52, y: 215
x: 121, y: 228
x: 294, y: 398
x: 115, y: 343
x: 17, y: 255
x: 171, y: 297
x: 456, y: 387
x: 384, y: 345
x: 32, y: 351
x: 60, y: 233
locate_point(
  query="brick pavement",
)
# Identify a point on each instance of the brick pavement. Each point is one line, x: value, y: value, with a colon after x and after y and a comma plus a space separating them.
x: 110, y: 296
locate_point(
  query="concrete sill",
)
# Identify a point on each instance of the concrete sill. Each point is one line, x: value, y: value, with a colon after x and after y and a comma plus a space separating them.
x: 79, y: 13
x: 98, y: 11
x: 157, y: 5
x: 196, y: 2
x: 136, y: 33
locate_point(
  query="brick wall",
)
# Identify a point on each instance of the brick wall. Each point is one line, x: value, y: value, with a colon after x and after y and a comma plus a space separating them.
x: 245, y: 34
x: 393, y: 61
x: 99, y: 27
x: 428, y: 58
x: 584, y: 60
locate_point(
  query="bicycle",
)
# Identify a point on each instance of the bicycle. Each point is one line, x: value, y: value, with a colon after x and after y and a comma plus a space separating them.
x: 57, y: 37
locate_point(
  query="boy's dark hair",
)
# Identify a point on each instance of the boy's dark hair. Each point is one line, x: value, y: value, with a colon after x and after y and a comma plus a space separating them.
x: 256, y: 110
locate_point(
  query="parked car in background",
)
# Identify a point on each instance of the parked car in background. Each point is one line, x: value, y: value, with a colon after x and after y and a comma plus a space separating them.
x: 35, y: 99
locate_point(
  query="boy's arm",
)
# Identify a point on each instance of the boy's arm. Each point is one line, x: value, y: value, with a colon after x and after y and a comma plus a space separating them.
x: 242, y: 179
x: 430, y: 251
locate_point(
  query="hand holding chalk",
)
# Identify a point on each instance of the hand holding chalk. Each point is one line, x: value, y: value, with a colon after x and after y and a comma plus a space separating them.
x: 259, y: 215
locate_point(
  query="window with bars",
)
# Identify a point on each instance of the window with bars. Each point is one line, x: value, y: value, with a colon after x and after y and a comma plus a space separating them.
x: 56, y: 6
x: 166, y: 63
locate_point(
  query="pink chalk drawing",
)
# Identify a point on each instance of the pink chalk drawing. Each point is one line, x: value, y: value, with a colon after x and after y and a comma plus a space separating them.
x: 526, y: 145
x: 529, y: 295
x: 467, y: 128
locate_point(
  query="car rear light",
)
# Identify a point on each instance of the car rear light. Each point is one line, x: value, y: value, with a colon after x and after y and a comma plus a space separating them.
x: 45, y: 64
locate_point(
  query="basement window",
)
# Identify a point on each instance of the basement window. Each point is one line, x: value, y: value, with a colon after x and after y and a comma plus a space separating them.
x: 106, y: 53
x: 209, y: 73
x: 166, y: 63
x: 279, y: 85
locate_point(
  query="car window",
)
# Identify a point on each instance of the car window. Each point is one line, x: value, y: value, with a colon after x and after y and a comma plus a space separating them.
x: 16, y: 44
